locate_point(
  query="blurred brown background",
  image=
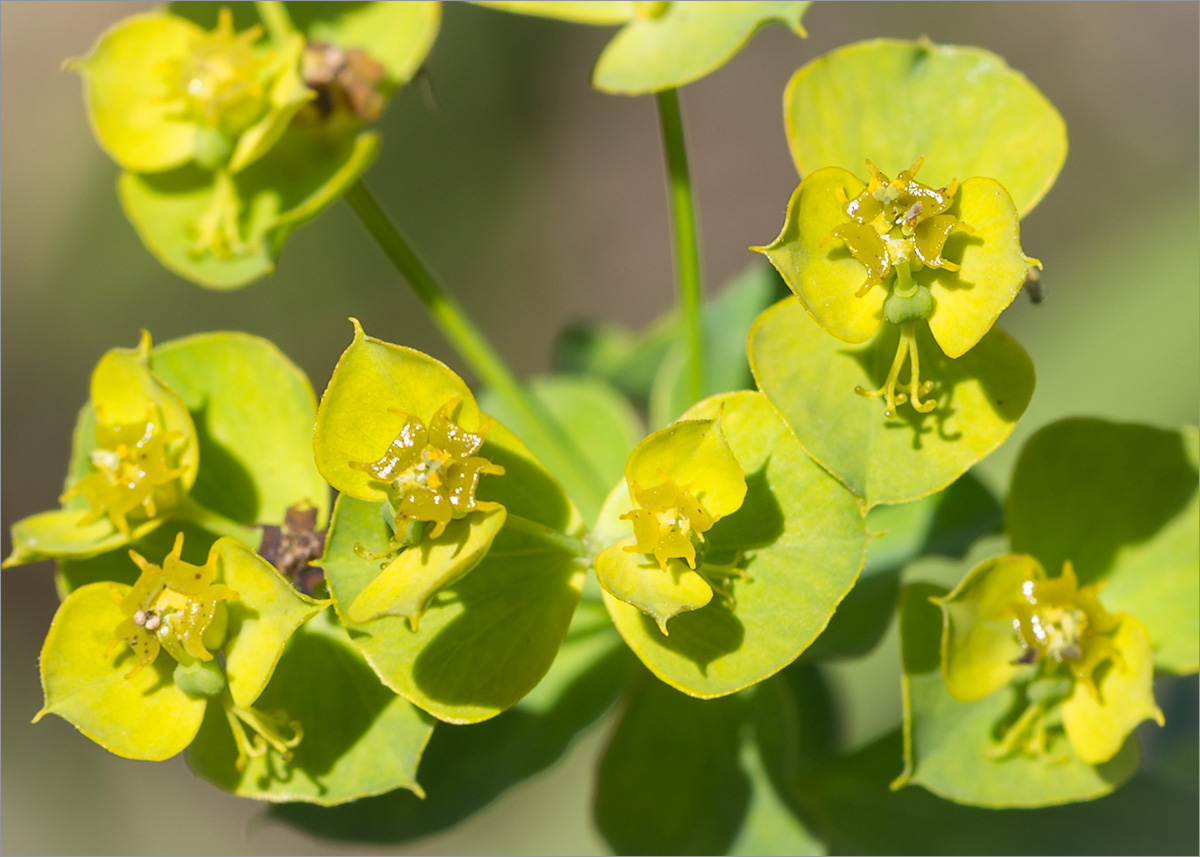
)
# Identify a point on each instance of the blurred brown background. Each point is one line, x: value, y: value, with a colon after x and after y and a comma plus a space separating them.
x: 538, y: 202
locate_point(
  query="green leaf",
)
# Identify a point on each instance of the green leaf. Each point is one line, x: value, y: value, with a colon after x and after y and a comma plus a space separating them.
x: 593, y: 414
x: 359, y: 739
x: 83, y: 677
x: 253, y: 410
x: 303, y: 173
x: 58, y: 533
x: 265, y: 614
x: 467, y: 767
x: 397, y: 35
x: 648, y: 366
x: 947, y: 741
x: 627, y: 360
x: 811, y: 377
x: 862, y: 816
x: 793, y: 716
x: 134, y: 109
x: 891, y: 102
x: 485, y: 641
x: 687, y: 776
x: 1119, y: 502
x: 802, y: 541
x: 727, y: 323
x: 687, y: 41
x: 942, y: 524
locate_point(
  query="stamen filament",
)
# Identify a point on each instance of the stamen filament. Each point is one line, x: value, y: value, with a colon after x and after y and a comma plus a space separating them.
x: 1019, y: 731
x: 268, y: 728
x: 907, y: 346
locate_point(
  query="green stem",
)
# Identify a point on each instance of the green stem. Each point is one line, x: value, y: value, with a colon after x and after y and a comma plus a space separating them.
x: 567, y: 544
x: 687, y: 250
x: 192, y: 512
x: 542, y: 431
x: 275, y: 18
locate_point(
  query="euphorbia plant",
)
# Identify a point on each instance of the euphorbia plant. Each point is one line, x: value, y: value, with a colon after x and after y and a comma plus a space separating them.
x: 501, y: 563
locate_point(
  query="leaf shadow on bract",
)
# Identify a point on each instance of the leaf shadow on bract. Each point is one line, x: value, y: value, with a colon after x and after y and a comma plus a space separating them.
x: 465, y: 768
x: 714, y: 630
x: 223, y: 484
x: 358, y: 737
x: 451, y: 667
x: 239, y: 613
x: 757, y: 523
x: 702, y: 636
x: 163, y: 667
x: 956, y: 244
x: 1085, y: 490
x: 875, y: 359
x: 524, y: 489
x: 980, y: 364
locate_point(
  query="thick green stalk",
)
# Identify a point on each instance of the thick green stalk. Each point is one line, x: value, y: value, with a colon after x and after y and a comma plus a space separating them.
x: 687, y: 248
x: 542, y: 430
x: 560, y: 541
x: 276, y: 20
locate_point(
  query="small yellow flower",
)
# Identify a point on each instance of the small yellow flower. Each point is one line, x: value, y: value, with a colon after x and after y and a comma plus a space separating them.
x: 432, y: 473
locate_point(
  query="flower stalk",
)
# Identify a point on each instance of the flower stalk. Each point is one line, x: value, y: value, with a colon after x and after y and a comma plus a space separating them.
x: 687, y: 252
x: 542, y: 429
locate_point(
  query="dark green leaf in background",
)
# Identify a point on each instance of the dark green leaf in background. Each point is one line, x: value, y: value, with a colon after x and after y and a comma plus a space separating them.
x: 1120, y: 503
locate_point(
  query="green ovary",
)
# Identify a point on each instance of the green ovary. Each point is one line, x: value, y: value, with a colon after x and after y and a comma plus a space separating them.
x: 897, y: 228
x: 431, y: 473
x: 1060, y: 622
x: 131, y: 473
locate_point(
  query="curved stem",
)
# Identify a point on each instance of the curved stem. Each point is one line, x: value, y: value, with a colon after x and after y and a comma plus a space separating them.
x: 275, y: 18
x: 567, y: 544
x: 687, y: 252
x: 541, y: 430
x: 192, y: 512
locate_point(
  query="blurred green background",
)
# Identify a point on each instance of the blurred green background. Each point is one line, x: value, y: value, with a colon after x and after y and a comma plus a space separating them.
x: 539, y: 202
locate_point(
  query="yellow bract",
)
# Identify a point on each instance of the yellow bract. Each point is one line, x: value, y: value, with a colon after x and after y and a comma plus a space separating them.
x: 681, y: 481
